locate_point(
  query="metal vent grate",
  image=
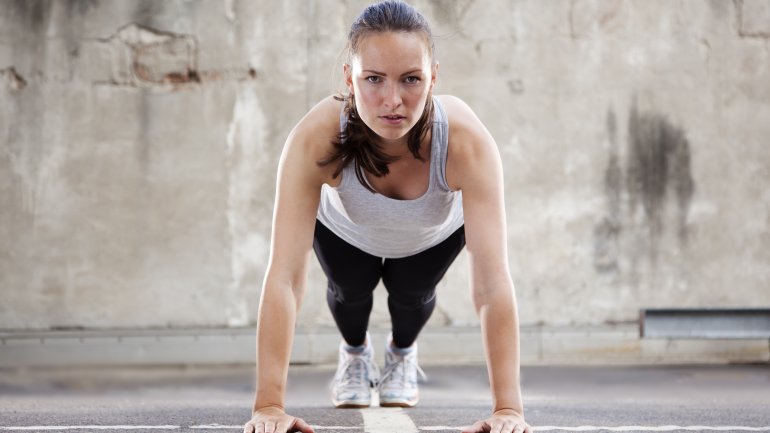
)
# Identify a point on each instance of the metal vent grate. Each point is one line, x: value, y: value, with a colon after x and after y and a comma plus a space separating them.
x: 720, y: 323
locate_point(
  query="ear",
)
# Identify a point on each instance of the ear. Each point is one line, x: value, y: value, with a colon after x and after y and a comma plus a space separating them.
x: 433, y: 75
x: 347, y: 73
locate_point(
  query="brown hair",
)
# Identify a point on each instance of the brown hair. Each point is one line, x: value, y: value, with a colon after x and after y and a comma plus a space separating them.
x: 357, y: 143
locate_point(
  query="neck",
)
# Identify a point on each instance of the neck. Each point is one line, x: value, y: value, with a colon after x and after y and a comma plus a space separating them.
x: 398, y: 148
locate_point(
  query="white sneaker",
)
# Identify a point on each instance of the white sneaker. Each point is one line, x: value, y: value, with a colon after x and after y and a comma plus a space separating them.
x: 356, y: 376
x: 398, y: 385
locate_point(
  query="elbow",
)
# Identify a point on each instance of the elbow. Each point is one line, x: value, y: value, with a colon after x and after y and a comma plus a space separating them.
x: 497, y: 292
x: 284, y: 290
x: 497, y: 300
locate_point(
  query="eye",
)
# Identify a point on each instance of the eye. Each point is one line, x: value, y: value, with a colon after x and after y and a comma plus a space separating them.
x: 412, y: 79
x: 373, y: 78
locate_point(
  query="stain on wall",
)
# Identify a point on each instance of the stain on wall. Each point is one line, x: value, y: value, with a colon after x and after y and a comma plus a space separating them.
x: 80, y: 7
x: 657, y: 171
x: 146, y: 12
x: 658, y: 166
x: 34, y: 14
x: 607, y: 232
x: 12, y: 79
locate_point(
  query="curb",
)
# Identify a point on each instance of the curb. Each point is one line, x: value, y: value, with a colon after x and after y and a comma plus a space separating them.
x: 581, y: 345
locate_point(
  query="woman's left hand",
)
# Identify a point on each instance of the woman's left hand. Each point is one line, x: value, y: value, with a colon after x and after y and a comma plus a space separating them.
x: 502, y: 421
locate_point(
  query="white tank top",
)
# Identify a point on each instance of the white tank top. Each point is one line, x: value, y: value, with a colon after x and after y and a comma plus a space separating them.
x: 390, y: 228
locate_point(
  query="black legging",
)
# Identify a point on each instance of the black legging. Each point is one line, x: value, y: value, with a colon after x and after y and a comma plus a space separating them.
x: 411, y: 283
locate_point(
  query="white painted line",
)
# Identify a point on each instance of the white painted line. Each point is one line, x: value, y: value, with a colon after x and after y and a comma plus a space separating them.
x: 593, y: 428
x: 651, y: 428
x: 440, y: 427
x: 387, y: 420
x: 90, y: 427
x: 229, y: 427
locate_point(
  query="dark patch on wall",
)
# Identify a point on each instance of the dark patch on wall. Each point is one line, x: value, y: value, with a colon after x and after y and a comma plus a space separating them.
x: 143, y: 149
x: 657, y: 170
x: 607, y: 232
x: 658, y: 164
x: 32, y: 13
x: 147, y: 11
x: 449, y: 13
x: 443, y: 12
x: 516, y: 86
x: 79, y: 7
x: 34, y: 17
x: 720, y: 8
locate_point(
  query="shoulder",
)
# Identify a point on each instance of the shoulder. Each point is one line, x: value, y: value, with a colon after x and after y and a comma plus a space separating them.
x: 320, y: 125
x: 457, y: 110
x: 313, y: 136
x: 466, y: 131
x: 471, y: 148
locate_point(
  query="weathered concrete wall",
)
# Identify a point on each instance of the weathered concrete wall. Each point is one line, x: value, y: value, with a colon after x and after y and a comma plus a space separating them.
x: 139, y: 143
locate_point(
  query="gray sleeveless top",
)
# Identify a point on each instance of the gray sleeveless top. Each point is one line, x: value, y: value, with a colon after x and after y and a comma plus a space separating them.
x: 390, y: 228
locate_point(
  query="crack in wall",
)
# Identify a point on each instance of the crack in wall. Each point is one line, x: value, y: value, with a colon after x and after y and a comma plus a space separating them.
x: 14, y: 81
x: 145, y: 56
x: 753, y: 18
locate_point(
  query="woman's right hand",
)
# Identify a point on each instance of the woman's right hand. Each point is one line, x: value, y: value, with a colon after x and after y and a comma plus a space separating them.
x: 275, y: 420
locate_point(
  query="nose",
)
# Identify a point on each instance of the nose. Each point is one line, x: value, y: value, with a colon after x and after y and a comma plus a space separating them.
x: 392, y: 97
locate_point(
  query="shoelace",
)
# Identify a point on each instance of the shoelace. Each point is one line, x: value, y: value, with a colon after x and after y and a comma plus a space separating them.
x: 397, y: 371
x: 354, y: 372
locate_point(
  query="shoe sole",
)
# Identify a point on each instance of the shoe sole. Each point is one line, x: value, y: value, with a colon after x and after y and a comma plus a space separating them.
x: 351, y: 405
x: 348, y: 404
x: 399, y: 403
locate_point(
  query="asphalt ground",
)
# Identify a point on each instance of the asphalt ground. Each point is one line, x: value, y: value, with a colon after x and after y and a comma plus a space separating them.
x: 218, y: 399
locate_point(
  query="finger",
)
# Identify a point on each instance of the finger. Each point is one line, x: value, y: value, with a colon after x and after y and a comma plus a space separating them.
x: 519, y: 428
x: 260, y: 427
x: 248, y: 428
x: 269, y: 427
x: 497, y: 427
x: 475, y: 428
x: 479, y: 427
x: 528, y: 428
x: 302, y: 426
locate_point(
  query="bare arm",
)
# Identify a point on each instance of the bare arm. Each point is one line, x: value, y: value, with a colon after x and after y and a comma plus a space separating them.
x: 296, y: 203
x: 474, y: 167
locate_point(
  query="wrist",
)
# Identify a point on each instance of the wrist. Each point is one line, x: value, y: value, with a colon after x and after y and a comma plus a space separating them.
x: 269, y: 395
x: 262, y: 405
x: 517, y: 411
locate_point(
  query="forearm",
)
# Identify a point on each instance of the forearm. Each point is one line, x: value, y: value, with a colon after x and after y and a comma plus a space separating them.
x: 500, y: 330
x: 275, y: 333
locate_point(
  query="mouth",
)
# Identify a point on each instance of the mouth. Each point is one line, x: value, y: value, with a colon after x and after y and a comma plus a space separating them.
x: 393, y: 117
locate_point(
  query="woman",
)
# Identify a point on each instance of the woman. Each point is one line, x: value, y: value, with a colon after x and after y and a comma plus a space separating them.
x: 388, y: 182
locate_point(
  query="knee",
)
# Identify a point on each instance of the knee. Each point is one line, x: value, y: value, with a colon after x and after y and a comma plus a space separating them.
x: 412, y: 299
x: 351, y: 297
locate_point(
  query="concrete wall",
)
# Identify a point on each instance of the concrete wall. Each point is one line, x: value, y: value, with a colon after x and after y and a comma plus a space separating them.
x: 139, y: 144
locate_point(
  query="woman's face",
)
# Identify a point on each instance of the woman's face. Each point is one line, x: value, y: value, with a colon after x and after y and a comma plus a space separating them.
x: 391, y: 76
